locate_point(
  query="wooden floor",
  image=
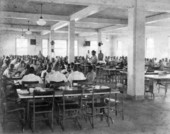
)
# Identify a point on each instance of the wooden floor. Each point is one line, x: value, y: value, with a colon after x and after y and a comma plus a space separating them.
x: 141, y: 117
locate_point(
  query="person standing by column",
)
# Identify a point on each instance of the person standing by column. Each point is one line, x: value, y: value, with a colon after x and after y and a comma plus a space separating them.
x: 88, y: 55
x: 100, y: 56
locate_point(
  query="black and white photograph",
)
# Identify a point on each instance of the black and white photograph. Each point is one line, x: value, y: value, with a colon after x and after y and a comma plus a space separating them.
x: 84, y: 66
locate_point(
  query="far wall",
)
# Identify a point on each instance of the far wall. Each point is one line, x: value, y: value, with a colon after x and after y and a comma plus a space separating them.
x: 8, y: 43
x: 161, y: 45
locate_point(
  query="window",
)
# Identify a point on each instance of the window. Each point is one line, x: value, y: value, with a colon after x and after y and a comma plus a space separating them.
x: 75, y: 48
x: 94, y: 46
x: 119, y: 48
x: 149, y: 48
x: 45, y: 47
x: 21, y: 46
x: 168, y: 50
x: 60, y: 48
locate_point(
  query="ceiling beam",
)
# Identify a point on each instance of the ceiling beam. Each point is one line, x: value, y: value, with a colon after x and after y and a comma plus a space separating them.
x: 24, y: 27
x: 65, y: 30
x: 110, y: 3
x: 85, y: 30
x: 87, y: 34
x: 157, y: 18
x: 112, y: 28
x: 79, y: 15
x: 105, y: 21
x: 59, y: 25
x: 90, y: 10
x: 31, y: 16
x: 149, y: 21
x: 26, y: 16
x: 44, y: 32
x: 150, y: 5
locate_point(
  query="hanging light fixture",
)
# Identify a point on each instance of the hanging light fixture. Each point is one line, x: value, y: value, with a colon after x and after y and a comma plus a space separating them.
x: 41, y: 21
x: 28, y: 30
x: 22, y: 35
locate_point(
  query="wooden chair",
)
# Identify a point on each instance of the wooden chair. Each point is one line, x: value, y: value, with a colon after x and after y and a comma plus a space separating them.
x: 117, y: 104
x: 29, y: 84
x: 163, y: 84
x: 98, y: 106
x: 149, y: 89
x: 43, y: 104
x: 70, y: 110
x: 55, y: 85
x: 79, y: 83
x: 12, y: 111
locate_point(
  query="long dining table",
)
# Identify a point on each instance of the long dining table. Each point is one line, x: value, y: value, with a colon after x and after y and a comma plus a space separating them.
x: 160, y: 78
x: 25, y: 94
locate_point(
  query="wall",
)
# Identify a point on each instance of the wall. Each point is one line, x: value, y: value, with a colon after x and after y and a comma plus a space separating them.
x: 125, y: 42
x: 106, y: 47
x: 161, y: 49
x: 8, y: 43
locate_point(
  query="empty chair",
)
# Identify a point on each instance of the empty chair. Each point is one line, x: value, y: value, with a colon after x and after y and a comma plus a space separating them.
x: 98, y: 106
x: 70, y: 110
x: 79, y: 83
x: 42, y: 105
x: 149, y: 88
x: 12, y: 111
x: 55, y: 85
x: 29, y: 84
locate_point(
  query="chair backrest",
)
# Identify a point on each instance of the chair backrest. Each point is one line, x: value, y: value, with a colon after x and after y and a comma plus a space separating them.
x: 28, y: 84
x: 101, y: 95
x: 43, y: 99
x: 72, y: 96
x: 55, y: 85
x: 72, y: 92
x: 78, y: 82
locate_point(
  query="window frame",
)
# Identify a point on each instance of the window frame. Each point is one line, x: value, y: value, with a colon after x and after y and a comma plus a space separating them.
x: 20, y: 48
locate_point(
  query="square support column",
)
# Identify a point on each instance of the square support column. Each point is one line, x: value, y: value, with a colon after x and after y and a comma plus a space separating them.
x: 136, y: 52
x: 71, y: 38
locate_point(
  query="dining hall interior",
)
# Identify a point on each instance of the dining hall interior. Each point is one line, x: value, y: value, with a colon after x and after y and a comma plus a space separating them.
x: 85, y: 66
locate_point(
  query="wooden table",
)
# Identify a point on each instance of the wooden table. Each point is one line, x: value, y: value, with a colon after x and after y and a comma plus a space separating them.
x: 163, y: 78
x: 60, y: 94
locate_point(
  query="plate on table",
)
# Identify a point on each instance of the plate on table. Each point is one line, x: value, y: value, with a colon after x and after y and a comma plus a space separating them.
x: 62, y: 87
x: 23, y: 92
x: 101, y: 87
x: 40, y: 89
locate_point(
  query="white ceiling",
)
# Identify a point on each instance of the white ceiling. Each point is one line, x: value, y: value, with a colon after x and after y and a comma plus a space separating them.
x: 16, y: 13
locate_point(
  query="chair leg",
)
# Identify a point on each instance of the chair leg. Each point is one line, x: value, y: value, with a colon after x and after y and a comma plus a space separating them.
x: 166, y: 87
x: 108, y: 117
x: 4, y: 123
x: 153, y: 95
x: 23, y: 121
x: 91, y: 121
x: 61, y: 122
x: 27, y: 111
x: 116, y: 108
x: 33, y: 124
x: 77, y: 121
x: 158, y: 88
x: 52, y: 122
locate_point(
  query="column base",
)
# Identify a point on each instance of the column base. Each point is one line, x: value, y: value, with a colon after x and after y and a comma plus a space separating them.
x: 138, y: 97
